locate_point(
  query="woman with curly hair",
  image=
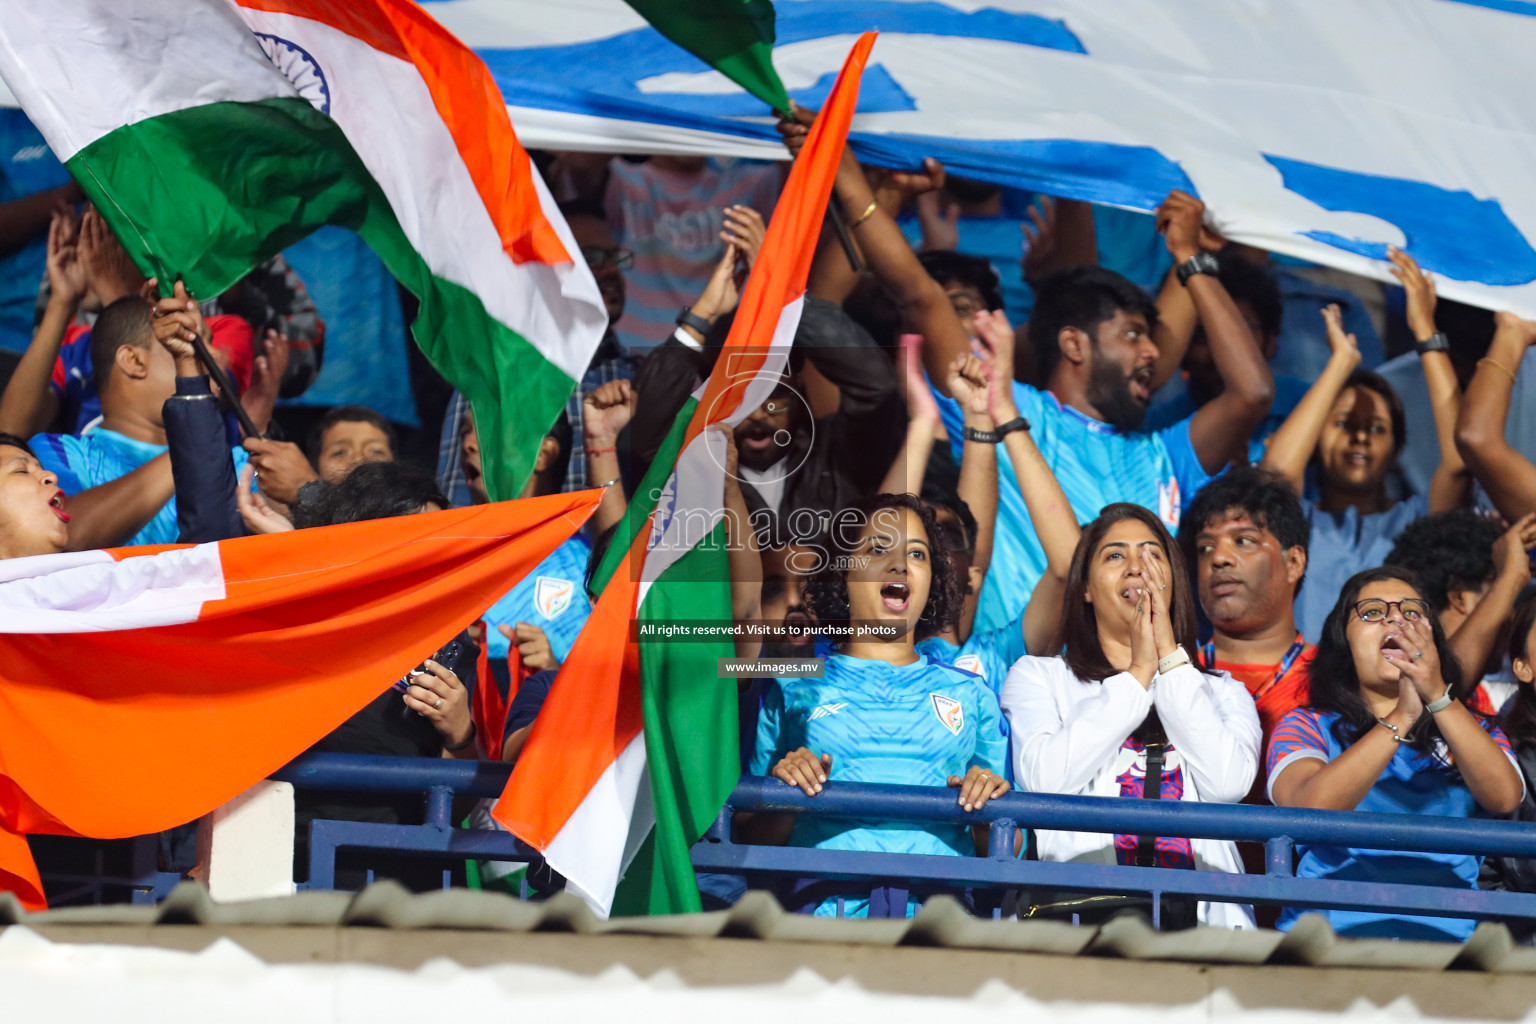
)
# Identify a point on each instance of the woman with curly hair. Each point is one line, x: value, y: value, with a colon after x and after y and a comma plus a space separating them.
x: 1126, y: 712
x: 1384, y: 732
x: 882, y: 712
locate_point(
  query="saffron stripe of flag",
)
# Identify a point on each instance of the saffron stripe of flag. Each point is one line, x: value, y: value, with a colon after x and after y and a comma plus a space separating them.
x: 639, y: 740
x: 142, y: 687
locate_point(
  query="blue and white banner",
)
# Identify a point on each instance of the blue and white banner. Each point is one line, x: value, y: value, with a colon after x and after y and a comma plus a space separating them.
x: 1323, y: 129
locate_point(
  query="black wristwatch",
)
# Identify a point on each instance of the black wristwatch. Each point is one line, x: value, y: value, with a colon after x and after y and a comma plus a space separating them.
x: 980, y: 436
x: 996, y: 434
x: 688, y: 318
x: 1004, y: 429
x: 1436, y: 342
x: 1199, y: 263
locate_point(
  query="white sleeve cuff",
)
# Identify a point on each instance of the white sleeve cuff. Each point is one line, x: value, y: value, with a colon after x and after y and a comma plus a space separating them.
x: 1305, y: 753
x: 687, y: 339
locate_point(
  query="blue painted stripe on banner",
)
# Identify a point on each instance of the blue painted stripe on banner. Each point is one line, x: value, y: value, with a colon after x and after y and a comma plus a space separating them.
x: 613, y: 66
x: 1452, y: 233
x: 879, y: 93
x: 1525, y: 7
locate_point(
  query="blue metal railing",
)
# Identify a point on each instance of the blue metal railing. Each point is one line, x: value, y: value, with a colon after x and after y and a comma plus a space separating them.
x: 1277, y: 828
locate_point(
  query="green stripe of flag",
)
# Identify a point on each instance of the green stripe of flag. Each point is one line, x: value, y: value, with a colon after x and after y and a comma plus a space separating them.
x: 735, y: 37
x: 212, y: 191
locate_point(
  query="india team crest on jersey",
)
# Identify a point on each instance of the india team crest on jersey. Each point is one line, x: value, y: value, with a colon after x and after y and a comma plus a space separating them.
x: 552, y: 595
x: 950, y: 712
x: 1170, y: 504
x: 971, y: 663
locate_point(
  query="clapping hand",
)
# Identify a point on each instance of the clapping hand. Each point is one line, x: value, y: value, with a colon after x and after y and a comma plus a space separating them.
x: 1421, y: 293
x: 66, y: 271
x: 996, y: 339
x: 1342, y: 344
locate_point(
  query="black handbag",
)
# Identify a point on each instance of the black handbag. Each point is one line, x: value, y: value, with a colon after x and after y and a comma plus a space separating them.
x: 1176, y: 912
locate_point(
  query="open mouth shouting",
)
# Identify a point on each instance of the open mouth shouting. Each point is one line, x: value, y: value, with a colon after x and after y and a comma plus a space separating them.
x: 757, y: 437
x: 896, y: 596
x: 1140, y: 384
x: 57, y: 504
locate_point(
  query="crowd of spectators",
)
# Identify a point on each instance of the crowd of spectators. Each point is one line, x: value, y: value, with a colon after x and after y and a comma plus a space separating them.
x: 1145, y: 515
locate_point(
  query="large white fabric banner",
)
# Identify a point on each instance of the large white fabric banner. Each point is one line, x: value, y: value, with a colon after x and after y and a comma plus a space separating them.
x: 1322, y: 129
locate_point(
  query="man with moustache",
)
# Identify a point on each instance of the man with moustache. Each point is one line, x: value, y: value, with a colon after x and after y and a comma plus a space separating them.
x: 1246, y: 536
x: 1092, y: 332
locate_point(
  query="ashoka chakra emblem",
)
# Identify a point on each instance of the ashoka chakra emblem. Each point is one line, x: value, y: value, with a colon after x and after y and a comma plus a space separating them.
x: 300, y: 67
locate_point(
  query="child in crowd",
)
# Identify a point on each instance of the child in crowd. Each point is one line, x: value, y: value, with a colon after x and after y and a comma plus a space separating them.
x: 1384, y: 732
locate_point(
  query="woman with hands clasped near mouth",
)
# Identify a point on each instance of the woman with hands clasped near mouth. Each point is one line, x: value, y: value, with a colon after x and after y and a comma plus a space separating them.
x: 1383, y: 731
x: 1125, y: 712
x: 882, y: 713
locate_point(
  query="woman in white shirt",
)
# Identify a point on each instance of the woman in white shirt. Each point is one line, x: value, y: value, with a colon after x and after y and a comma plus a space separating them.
x: 1125, y: 686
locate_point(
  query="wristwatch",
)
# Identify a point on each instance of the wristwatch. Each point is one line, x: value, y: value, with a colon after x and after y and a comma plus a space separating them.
x: 688, y: 318
x: 981, y: 436
x: 1436, y: 342
x: 1440, y: 705
x: 1179, y: 657
x: 1004, y: 429
x: 1199, y: 263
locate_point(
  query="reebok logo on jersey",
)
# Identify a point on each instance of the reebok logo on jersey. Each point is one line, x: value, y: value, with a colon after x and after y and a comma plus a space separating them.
x: 827, y: 709
x: 971, y: 663
x: 552, y: 595
x: 949, y: 711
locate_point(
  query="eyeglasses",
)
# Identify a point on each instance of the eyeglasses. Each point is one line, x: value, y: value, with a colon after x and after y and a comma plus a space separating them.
x: 597, y: 257
x: 1374, y: 609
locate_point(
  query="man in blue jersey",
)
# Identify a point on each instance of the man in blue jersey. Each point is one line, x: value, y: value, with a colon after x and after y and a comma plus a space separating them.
x: 1091, y: 331
x: 118, y: 475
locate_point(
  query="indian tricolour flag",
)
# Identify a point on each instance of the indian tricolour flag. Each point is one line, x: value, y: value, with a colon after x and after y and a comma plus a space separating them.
x: 142, y: 687
x: 213, y: 133
x: 635, y: 749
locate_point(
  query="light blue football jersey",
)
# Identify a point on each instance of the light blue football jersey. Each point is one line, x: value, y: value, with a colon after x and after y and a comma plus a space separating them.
x: 1096, y: 465
x: 552, y: 597
x: 101, y: 456
x: 912, y: 725
x: 987, y: 655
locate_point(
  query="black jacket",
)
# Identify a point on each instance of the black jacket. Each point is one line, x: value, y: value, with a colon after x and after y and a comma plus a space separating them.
x: 201, y: 466
x: 846, y: 454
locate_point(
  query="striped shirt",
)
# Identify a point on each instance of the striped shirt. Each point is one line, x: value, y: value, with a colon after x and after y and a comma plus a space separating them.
x: 1412, y: 783
x: 609, y: 363
x: 672, y: 222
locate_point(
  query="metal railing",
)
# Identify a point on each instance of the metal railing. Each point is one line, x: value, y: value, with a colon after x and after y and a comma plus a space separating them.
x: 1277, y: 828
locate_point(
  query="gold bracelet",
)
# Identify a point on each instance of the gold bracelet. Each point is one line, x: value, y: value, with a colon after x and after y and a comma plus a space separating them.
x: 865, y: 215
x: 1506, y: 371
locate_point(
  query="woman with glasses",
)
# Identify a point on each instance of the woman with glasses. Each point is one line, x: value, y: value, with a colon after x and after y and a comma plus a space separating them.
x: 1384, y: 732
